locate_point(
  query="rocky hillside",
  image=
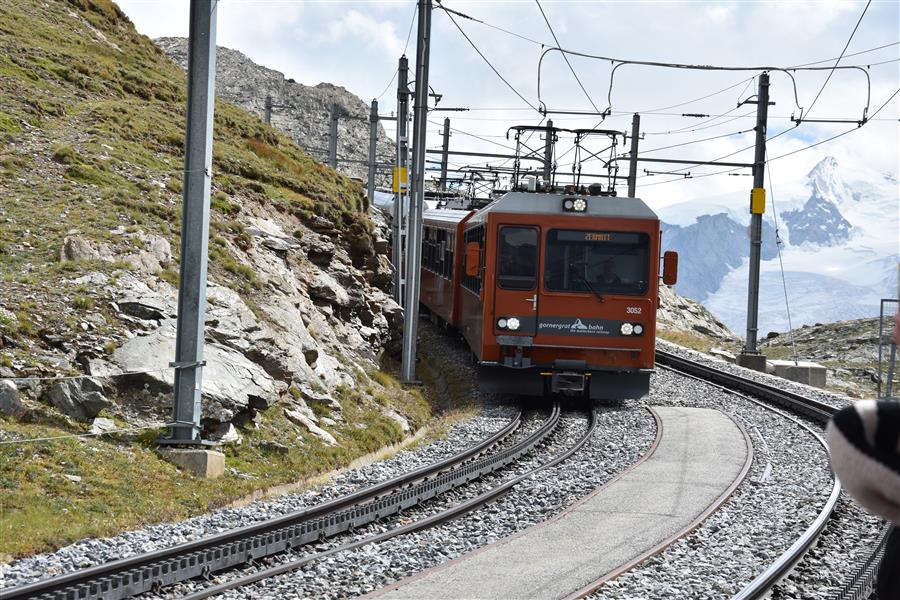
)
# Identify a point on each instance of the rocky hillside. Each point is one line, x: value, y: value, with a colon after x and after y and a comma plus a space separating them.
x: 301, y: 111
x: 91, y: 156
x: 848, y: 348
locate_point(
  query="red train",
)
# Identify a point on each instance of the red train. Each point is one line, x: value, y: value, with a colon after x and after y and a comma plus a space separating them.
x: 554, y: 293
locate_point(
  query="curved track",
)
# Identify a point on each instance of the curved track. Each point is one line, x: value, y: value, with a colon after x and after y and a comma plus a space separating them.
x: 451, y: 513
x: 859, y: 582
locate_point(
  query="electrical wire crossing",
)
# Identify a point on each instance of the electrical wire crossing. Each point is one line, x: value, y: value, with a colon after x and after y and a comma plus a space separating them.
x: 485, y: 59
x: 571, y: 68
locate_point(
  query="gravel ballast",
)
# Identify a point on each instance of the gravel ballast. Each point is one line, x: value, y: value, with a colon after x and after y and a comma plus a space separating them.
x: 621, y: 437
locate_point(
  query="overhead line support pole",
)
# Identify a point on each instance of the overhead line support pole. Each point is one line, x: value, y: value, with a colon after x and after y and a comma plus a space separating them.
x: 549, y: 142
x: 373, y: 139
x: 414, y: 237
x: 402, y: 162
x: 633, y: 157
x: 751, y: 357
x: 446, y: 148
x: 188, y: 363
x: 332, y: 136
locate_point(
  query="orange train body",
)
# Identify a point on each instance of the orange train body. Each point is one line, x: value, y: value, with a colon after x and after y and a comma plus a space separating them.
x: 553, y: 293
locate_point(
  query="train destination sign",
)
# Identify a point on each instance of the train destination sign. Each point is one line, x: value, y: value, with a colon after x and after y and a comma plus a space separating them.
x: 577, y: 326
x: 614, y: 237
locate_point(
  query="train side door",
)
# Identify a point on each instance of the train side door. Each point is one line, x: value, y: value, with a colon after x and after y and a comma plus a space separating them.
x: 516, y: 293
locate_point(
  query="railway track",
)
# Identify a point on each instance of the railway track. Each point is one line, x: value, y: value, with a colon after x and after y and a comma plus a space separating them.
x: 125, y: 578
x: 454, y: 512
x: 149, y: 572
x: 861, y: 581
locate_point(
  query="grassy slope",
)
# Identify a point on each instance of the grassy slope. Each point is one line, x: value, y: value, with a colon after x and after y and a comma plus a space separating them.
x: 91, y: 123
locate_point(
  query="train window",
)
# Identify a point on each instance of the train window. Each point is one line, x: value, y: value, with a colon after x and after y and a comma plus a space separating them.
x: 605, y: 262
x: 518, y: 257
x: 473, y: 282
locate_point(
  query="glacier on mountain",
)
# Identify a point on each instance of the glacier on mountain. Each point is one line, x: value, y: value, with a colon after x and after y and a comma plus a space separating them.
x: 840, y: 237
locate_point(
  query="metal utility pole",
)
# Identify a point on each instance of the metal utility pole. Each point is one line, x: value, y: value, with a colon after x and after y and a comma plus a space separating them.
x: 446, y: 147
x: 633, y: 157
x: 373, y: 138
x: 268, y: 114
x: 548, y: 153
x: 332, y: 136
x: 750, y: 357
x: 188, y: 362
x: 402, y: 161
x: 414, y: 237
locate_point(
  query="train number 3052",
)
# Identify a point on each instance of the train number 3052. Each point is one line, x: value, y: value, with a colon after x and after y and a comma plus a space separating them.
x: 633, y: 310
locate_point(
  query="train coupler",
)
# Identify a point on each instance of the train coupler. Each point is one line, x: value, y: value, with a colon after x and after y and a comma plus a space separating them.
x: 567, y: 382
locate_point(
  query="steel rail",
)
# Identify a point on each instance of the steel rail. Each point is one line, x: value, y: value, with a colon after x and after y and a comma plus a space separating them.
x: 815, y: 409
x: 450, y: 514
x: 818, y: 411
x: 127, y: 577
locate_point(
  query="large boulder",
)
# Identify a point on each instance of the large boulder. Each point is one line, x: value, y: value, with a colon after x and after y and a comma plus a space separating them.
x: 10, y: 404
x: 232, y: 384
x: 77, y: 248
x: 80, y: 399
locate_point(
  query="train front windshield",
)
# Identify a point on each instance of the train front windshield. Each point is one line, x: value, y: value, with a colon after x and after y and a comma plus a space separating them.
x: 602, y: 262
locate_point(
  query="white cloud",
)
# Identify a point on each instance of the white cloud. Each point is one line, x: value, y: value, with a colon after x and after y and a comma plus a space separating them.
x: 364, y: 30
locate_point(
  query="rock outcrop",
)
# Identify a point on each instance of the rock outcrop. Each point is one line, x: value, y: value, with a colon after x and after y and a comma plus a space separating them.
x: 301, y: 111
x: 683, y: 314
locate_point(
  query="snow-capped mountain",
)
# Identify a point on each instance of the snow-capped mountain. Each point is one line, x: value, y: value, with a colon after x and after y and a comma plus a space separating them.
x: 841, y: 244
x: 712, y: 246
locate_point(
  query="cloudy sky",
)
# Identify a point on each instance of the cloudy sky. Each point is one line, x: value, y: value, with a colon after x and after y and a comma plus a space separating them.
x: 357, y: 43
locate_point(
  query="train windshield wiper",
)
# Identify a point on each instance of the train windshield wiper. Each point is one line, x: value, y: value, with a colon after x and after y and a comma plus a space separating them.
x: 596, y: 294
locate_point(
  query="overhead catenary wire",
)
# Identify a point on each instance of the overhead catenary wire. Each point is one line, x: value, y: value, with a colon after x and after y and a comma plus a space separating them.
x: 688, y: 143
x: 778, y: 243
x: 483, y: 139
x: 786, y: 154
x: 830, y: 73
x: 571, y: 68
x: 488, y: 62
x: 405, y: 46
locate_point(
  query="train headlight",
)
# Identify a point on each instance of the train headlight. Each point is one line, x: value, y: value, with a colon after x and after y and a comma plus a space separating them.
x: 501, y: 323
x: 574, y: 205
x: 626, y: 329
x: 638, y: 329
x: 512, y: 323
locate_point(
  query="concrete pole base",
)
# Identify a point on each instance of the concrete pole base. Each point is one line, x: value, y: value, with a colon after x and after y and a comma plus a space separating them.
x: 208, y: 464
x: 757, y: 362
x: 806, y: 372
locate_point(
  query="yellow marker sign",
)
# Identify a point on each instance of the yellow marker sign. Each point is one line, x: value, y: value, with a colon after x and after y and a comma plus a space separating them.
x: 758, y: 201
x: 400, y: 179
